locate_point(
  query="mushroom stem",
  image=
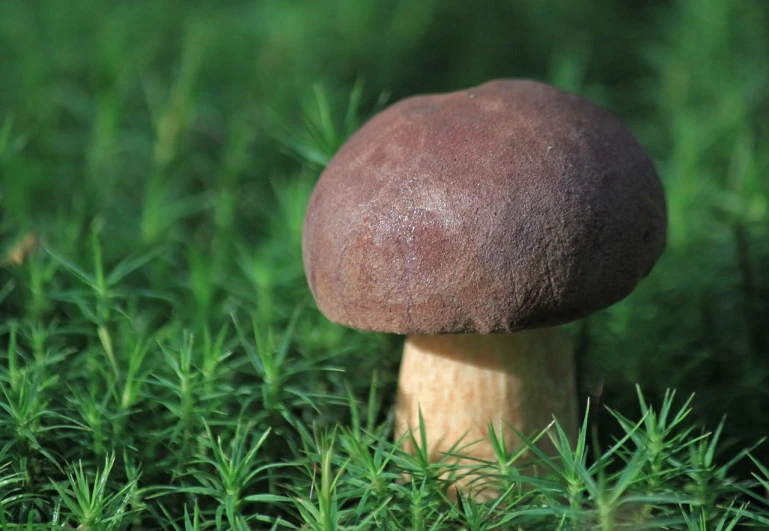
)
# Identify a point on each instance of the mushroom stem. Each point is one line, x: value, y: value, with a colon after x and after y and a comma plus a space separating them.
x: 462, y: 382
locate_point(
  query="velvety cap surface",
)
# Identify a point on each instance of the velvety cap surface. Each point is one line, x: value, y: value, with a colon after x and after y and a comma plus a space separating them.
x: 508, y: 206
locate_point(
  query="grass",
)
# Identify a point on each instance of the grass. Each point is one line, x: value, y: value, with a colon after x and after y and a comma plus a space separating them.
x: 162, y: 365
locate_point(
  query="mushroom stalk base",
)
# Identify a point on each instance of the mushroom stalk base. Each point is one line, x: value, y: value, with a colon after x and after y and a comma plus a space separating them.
x: 463, y: 382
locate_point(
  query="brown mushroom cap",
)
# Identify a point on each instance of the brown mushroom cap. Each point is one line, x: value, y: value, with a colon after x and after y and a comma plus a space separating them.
x: 507, y: 206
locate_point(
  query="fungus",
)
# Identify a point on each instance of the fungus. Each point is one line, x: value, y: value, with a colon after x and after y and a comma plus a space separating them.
x: 475, y: 222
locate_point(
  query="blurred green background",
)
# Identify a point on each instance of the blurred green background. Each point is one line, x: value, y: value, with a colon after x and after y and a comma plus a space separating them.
x: 197, y: 129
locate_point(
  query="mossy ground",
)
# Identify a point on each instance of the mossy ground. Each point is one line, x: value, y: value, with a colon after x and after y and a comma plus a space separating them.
x: 161, y: 361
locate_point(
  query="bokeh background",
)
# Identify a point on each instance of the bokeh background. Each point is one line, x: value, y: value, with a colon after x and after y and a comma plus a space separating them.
x: 199, y: 128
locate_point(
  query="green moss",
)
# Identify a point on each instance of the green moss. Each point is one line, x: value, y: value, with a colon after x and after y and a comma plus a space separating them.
x: 161, y: 362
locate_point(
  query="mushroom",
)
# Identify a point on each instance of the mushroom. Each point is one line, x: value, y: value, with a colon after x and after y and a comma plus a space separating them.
x: 475, y: 222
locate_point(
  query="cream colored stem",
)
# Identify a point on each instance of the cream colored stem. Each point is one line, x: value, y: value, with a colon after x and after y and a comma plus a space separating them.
x: 462, y: 382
